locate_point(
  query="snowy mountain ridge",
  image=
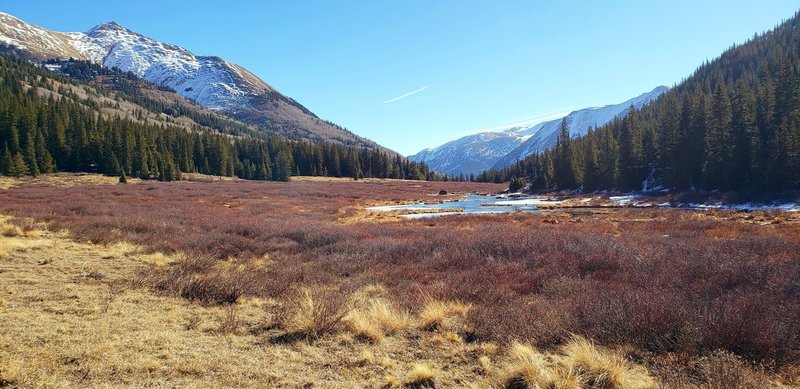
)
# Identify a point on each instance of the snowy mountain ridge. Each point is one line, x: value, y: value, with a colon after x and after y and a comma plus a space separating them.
x: 475, y: 153
x: 209, y: 80
x: 578, y: 123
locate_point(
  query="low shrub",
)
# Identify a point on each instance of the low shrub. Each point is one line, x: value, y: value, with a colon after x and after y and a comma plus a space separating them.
x: 664, y: 281
x: 312, y: 314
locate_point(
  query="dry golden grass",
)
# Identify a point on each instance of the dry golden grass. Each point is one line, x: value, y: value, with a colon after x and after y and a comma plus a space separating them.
x: 420, y: 376
x: 527, y: 368
x: 361, y: 325
x: 321, y: 179
x: 313, y: 314
x: 373, y: 316
x: 599, y: 367
x: 73, y: 315
x: 436, y: 314
x: 63, y: 180
x: 198, y: 177
x: 580, y: 364
x: 77, y: 315
x: 360, y: 214
x: 72, y: 318
x: 14, y: 238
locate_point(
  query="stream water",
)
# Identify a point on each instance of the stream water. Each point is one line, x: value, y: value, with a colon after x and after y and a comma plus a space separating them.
x: 470, y: 204
x: 476, y: 204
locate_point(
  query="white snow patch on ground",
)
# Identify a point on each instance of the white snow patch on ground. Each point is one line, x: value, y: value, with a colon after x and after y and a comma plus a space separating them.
x: 427, y: 215
x: 483, y: 204
x: 389, y: 208
x: 623, y: 199
x: 785, y: 207
x: 535, y: 201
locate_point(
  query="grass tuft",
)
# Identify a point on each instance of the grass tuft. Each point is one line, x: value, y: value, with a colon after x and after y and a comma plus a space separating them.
x: 375, y: 318
x: 602, y: 368
x: 315, y: 313
x: 229, y: 322
x: 485, y: 364
x: 435, y: 313
x: 527, y: 368
x: 12, y: 375
x: 420, y: 376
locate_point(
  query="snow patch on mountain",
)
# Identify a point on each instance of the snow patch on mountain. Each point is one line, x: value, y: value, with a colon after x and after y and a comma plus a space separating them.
x: 211, y: 81
x: 473, y: 154
x: 470, y: 154
x: 24, y: 36
x: 578, y: 123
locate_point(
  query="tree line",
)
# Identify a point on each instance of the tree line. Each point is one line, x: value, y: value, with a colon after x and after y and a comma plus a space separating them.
x: 734, y: 125
x: 45, y: 132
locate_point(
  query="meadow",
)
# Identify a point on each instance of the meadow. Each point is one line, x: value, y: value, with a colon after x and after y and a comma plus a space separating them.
x: 607, y: 298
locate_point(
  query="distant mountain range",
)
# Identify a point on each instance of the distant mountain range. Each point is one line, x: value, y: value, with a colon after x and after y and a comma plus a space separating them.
x: 473, y: 154
x: 210, y: 81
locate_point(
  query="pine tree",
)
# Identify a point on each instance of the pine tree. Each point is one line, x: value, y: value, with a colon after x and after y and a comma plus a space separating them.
x: 564, y: 163
x: 20, y: 167
x: 719, y: 141
x: 516, y: 184
x: 746, y: 138
x: 7, y: 166
x: 282, y: 166
x: 592, y: 167
x: 548, y: 172
x: 43, y: 157
x: 734, y: 125
x: 30, y: 156
x: 607, y: 160
x: 631, y: 153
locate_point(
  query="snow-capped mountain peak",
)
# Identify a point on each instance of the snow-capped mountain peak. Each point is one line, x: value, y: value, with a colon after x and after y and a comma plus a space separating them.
x: 19, y: 36
x: 546, y: 134
x: 209, y: 80
x: 108, y: 26
x: 475, y: 153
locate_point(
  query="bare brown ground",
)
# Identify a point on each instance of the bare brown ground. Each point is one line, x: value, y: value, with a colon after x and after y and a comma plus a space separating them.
x: 61, y: 180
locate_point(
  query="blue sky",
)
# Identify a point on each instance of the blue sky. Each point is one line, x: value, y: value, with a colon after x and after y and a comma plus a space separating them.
x: 412, y: 74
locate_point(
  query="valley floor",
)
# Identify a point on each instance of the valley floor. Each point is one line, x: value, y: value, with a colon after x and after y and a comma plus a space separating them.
x: 76, y: 314
x: 241, y: 284
x: 71, y: 316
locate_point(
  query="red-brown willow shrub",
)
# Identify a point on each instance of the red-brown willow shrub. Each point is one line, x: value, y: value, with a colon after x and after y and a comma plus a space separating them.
x: 662, y: 280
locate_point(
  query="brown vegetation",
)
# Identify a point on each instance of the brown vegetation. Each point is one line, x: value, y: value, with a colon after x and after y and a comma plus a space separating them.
x: 670, y: 286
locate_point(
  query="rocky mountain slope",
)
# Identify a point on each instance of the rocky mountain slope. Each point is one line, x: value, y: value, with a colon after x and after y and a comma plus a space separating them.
x: 545, y: 134
x: 475, y: 153
x: 472, y: 153
x: 210, y: 81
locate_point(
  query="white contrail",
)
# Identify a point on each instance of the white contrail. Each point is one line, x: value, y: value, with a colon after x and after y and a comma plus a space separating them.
x: 404, y: 95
